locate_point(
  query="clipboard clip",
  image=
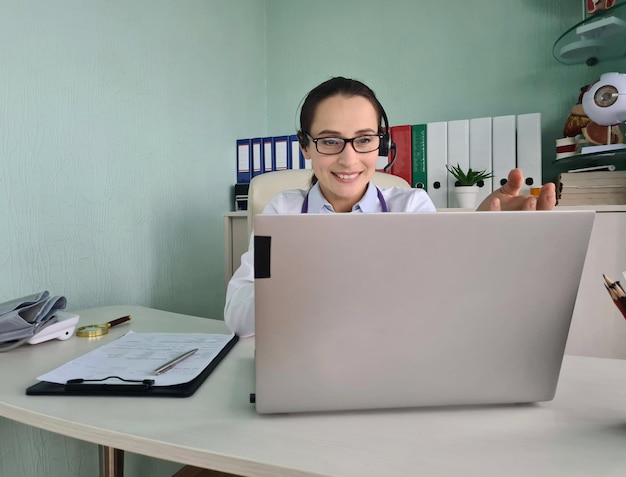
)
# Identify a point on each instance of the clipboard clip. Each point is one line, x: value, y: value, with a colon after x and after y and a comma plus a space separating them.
x: 80, y: 384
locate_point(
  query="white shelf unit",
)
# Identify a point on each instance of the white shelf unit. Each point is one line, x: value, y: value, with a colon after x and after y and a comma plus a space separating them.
x: 598, y: 329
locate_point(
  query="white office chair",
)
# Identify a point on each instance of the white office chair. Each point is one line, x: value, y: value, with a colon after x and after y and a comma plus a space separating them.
x: 265, y: 186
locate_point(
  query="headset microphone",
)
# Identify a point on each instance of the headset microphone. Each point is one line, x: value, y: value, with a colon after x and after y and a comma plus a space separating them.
x: 393, y: 159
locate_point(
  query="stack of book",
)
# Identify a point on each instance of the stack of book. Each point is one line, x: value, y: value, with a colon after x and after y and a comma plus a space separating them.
x: 592, y: 188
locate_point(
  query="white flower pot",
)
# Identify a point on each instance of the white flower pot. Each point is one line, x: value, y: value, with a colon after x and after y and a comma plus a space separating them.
x: 466, y: 196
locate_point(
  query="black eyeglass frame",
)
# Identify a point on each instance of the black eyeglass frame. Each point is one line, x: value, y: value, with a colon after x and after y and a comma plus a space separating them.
x: 345, y: 141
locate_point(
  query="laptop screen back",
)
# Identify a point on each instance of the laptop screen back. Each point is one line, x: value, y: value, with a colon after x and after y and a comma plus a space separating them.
x: 368, y: 311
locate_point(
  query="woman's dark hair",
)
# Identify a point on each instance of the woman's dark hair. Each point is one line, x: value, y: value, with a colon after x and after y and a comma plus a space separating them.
x: 338, y: 86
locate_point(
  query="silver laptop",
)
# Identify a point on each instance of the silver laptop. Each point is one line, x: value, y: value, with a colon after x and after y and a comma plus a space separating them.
x: 372, y: 311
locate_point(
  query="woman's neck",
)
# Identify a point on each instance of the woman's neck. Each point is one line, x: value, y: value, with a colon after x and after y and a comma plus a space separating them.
x: 342, y: 204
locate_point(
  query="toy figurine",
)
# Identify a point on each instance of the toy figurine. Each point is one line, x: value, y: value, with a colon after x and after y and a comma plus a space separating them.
x: 577, y: 118
x: 594, y: 6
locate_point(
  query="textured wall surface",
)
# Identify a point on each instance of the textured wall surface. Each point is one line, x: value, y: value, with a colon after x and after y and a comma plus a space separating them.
x: 118, y: 121
x: 116, y: 149
x: 117, y: 129
x: 428, y: 61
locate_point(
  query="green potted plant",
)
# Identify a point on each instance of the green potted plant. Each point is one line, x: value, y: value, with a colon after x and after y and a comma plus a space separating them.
x: 467, y: 184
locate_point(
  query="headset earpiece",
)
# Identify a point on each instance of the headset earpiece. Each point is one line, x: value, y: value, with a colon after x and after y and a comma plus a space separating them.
x: 386, y: 145
x: 302, y: 138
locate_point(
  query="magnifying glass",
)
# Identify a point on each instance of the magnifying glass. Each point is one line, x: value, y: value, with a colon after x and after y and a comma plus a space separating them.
x: 89, y: 331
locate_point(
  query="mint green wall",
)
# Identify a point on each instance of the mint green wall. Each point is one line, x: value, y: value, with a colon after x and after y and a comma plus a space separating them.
x: 428, y: 61
x: 118, y: 120
x: 116, y: 151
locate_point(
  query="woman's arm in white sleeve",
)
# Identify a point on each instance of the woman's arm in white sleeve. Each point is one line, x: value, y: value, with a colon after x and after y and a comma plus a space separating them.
x: 239, y: 308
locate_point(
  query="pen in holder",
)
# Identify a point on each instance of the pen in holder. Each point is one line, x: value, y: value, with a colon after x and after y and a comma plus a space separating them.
x: 617, y: 294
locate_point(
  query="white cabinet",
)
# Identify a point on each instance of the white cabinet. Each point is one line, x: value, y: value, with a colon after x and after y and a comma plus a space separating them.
x: 598, y: 328
x: 235, y: 241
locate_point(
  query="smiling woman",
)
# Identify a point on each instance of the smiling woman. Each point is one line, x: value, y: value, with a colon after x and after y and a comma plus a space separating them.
x: 342, y: 134
x: 343, y: 172
x: 316, y: 111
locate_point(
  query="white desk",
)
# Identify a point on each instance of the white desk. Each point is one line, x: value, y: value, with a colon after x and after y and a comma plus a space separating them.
x: 581, y: 433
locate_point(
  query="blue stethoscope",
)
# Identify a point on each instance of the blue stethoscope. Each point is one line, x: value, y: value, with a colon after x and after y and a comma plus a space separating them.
x: 381, y: 199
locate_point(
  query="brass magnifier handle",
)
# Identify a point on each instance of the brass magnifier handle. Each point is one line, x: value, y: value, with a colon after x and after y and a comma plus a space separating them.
x: 90, y: 331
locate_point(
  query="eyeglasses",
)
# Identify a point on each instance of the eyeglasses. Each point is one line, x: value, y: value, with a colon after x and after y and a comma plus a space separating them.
x: 334, y: 145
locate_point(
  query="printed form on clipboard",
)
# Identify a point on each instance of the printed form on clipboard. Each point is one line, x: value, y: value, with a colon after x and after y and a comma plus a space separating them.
x: 135, y: 357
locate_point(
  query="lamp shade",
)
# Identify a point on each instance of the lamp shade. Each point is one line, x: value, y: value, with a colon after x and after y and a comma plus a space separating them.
x: 605, y: 100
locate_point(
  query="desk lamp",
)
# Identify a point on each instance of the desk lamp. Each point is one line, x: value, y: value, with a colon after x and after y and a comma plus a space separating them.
x: 605, y: 104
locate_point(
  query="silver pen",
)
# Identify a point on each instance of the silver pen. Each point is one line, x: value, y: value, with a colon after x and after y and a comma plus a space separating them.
x: 170, y: 364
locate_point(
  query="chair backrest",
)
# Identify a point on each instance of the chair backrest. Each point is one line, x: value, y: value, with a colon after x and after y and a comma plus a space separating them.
x: 265, y: 186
